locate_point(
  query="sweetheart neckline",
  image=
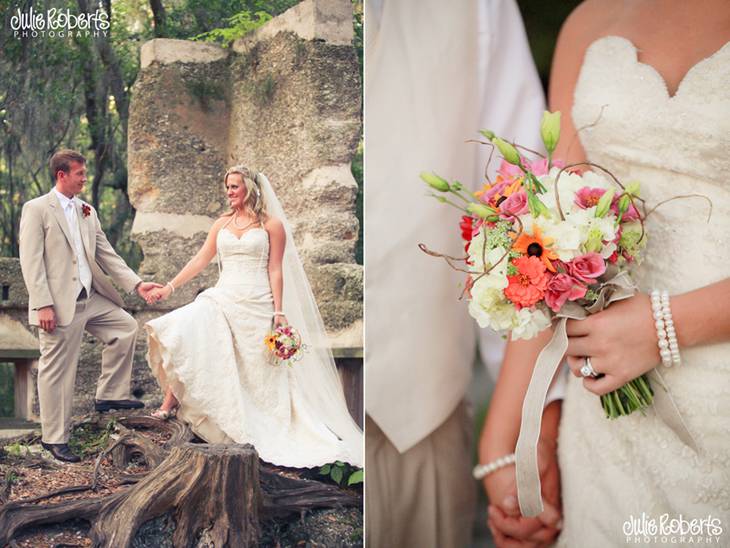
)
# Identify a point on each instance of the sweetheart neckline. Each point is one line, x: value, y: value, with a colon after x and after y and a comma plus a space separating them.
x: 653, y: 70
x: 239, y: 238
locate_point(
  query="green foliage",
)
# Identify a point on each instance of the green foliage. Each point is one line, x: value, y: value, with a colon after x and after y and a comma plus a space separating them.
x: 17, y: 449
x: 88, y: 439
x: 7, y: 390
x: 240, y: 24
x: 338, y: 471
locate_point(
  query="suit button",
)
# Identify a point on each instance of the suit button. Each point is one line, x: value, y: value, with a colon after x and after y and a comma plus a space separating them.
x: 74, y: 261
x: 74, y: 278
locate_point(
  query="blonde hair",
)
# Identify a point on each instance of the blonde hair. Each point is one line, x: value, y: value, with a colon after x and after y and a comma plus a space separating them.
x: 254, y: 202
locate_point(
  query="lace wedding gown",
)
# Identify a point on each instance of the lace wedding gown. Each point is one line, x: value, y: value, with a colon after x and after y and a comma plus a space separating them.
x: 672, y: 145
x: 212, y: 353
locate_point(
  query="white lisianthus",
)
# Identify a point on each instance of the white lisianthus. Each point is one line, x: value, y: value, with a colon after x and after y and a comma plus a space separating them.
x: 489, y: 307
x: 568, y: 187
x: 528, y: 323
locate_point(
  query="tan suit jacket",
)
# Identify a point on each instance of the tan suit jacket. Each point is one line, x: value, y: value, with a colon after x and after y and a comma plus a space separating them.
x: 48, y: 259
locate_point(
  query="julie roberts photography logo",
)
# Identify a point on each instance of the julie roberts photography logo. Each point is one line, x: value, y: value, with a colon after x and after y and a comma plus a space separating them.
x: 667, y: 529
x: 59, y: 23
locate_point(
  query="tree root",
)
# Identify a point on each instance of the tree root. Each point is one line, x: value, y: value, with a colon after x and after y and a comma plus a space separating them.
x: 221, y: 491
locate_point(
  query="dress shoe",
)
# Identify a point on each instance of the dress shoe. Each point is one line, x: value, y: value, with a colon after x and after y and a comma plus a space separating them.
x: 60, y: 451
x: 108, y: 405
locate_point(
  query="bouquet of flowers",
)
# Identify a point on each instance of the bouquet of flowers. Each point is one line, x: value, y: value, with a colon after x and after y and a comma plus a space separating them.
x: 285, y: 345
x: 543, y: 239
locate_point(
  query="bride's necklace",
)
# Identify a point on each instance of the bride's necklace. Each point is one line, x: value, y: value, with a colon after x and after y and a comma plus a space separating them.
x: 235, y: 218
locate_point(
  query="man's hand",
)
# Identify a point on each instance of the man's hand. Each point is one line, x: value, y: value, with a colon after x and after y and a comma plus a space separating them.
x: 145, y: 288
x: 509, y: 528
x: 159, y: 294
x: 47, y: 319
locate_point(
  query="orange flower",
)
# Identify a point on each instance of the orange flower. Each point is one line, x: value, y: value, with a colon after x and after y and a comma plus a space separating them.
x: 536, y: 245
x: 528, y: 286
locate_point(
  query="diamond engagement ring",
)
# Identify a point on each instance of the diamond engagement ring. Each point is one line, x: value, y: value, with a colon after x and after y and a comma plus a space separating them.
x: 587, y: 369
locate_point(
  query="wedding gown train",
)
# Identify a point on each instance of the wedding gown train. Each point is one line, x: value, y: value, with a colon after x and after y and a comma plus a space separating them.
x: 211, y: 353
x: 673, y: 145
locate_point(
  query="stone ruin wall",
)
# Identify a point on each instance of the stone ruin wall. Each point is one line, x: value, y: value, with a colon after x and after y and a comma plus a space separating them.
x: 284, y: 100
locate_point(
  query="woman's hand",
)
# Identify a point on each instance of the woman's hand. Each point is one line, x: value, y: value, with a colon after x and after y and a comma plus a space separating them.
x: 508, y: 527
x: 280, y: 319
x: 159, y: 294
x: 621, y: 342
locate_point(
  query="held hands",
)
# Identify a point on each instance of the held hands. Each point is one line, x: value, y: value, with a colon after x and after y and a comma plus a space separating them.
x: 47, y: 319
x: 159, y: 294
x: 145, y: 289
x: 621, y: 342
x: 508, y: 527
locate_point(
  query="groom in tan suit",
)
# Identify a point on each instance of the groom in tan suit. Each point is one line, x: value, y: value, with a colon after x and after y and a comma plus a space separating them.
x: 66, y: 258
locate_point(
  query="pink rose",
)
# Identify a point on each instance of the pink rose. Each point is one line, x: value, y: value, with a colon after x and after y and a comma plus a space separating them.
x: 587, y: 268
x: 496, y: 189
x: 516, y: 204
x: 561, y: 288
x: 539, y: 166
x: 509, y: 171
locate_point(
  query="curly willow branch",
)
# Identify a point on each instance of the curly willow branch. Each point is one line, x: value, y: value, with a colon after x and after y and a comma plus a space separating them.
x: 449, y: 259
x: 615, y: 180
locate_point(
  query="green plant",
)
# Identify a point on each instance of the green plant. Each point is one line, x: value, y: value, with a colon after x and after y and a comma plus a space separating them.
x: 17, y: 449
x: 339, y: 471
x: 89, y: 439
x: 240, y: 24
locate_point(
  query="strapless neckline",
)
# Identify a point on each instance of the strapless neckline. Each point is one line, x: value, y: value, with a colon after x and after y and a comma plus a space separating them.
x: 242, y: 236
x: 656, y: 75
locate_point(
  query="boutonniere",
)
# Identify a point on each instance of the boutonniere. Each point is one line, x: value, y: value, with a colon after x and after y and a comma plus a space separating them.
x: 86, y: 210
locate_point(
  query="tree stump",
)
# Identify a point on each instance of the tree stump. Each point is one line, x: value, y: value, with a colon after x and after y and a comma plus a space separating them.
x: 211, y: 489
x: 218, y: 493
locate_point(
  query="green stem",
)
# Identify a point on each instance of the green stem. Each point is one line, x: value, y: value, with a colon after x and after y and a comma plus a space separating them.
x: 445, y: 201
x: 458, y: 193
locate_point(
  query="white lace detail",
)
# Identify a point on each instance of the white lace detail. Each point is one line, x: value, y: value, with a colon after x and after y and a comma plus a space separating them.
x: 211, y: 352
x: 672, y: 145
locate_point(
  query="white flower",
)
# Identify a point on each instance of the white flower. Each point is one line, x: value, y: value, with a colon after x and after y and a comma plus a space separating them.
x: 489, y: 307
x: 568, y: 186
x: 567, y: 236
x: 528, y: 323
x: 581, y: 228
x: 497, y: 277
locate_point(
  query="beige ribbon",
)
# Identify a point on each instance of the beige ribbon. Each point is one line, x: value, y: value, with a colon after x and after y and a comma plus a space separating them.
x: 617, y: 288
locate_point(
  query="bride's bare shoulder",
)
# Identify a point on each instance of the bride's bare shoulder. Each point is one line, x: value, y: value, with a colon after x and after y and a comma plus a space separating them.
x: 591, y: 17
x: 273, y: 224
x: 588, y: 22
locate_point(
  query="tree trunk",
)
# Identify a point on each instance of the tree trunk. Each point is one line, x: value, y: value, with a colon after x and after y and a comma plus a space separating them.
x: 209, y: 488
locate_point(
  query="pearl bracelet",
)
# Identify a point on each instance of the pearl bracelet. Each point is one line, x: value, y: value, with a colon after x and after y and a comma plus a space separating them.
x: 666, y: 334
x: 482, y: 470
x: 171, y: 286
x: 669, y: 327
x: 279, y: 313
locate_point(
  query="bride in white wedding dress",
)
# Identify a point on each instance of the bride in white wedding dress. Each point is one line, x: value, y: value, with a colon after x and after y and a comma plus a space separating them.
x: 646, y: 84
x: 210, y: 358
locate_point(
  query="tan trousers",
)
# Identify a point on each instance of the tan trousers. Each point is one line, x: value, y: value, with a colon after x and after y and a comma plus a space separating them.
x: 424, y: 497
x: 60, y: 356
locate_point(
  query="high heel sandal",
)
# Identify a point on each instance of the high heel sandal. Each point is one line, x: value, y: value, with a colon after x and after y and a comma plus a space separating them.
x: 164, y: 414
